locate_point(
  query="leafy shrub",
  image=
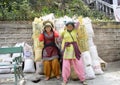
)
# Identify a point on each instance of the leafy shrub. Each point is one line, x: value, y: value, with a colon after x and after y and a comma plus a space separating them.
x: 28, y: 9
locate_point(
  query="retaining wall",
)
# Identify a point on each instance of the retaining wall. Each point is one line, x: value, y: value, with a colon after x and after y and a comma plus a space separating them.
x: 107, y: 37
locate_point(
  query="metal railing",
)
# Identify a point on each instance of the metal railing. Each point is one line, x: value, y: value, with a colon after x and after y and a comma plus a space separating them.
x: 106, y: 7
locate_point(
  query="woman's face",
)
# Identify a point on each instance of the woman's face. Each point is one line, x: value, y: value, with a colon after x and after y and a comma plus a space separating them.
x: 48, y: 28
x: 69, y: 27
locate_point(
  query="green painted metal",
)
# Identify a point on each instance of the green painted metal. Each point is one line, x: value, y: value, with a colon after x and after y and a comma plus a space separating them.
x: 11, y: 50
x: 17, y: 66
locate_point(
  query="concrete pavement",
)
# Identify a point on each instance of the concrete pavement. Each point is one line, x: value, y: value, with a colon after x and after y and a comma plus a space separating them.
x: 110, y: 77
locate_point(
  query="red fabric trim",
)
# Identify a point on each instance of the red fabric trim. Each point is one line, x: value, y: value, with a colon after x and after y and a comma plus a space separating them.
x: 41, y: 36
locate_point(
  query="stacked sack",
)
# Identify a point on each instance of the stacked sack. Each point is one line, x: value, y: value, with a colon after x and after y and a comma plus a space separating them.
x: 37, y: 29
x: 28, y: 59
x: 96, y: 60
x: 82, y: 38
x: 59, y: 24
x: 5, y: 59
x: 92, y: 62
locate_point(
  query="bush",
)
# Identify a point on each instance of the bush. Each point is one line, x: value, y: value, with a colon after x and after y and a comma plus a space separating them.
x: 28, y: 9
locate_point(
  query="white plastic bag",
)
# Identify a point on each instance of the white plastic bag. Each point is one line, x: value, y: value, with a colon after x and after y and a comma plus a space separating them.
x: 97, y: 67
x: 29, y: 65
x: 88, y: 26
x: 18, y: 54
x: 4, y: 69
x: 95, y: 60
x: 89, y: 72
x: 93, y: 52
x: 5, y: 59
x: 28, y: 52
x: 49, y: 17
x: 90, y: 41
x: 59, y: 24
x: 86, y: 58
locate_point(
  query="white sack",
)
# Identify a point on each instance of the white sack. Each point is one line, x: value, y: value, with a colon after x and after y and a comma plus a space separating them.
x: 59, y: 24
x: 49, y: 17
x: 5, y: 59
x: 29, y: 65
x: 90, y: 42
x: 95, y: 59
x: 86, y: 58
x: 28, y: 52
x: 88, y: 26
x: 89, y: 72
x: 93, y: 52
x: 5, y: 69
x: 18, y: 54
x: 37, y: 26
x: 97, y: 67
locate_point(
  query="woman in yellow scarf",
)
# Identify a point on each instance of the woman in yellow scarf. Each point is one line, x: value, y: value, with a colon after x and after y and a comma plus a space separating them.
x: 71, y: 54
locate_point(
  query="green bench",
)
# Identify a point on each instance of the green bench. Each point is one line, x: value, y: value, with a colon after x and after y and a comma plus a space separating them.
x: 17, y: 66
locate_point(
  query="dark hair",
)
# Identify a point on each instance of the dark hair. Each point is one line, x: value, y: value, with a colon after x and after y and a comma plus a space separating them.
x: 70, y: 23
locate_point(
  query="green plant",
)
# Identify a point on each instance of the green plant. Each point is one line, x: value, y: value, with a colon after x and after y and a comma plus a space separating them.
x: 28, y: 9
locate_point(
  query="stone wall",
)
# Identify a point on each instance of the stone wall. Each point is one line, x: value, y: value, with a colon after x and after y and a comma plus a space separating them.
x: 13, y: 32
x: 107, y: 40
x: 107, y: 37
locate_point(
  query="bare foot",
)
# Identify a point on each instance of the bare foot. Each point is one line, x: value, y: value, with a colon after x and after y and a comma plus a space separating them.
x: 58, y: 77
x: 47, y: 78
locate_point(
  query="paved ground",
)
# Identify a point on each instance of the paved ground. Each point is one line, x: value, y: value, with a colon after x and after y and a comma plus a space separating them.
x: 110, y: 77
